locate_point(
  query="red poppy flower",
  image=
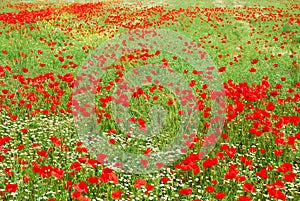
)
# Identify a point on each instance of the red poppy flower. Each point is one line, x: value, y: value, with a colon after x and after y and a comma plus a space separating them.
x: 240, y: 178
x: 149, y: 187
x: 231, y: 152
x: 289, y: 177
x: 101, y: 157
x: 210, y: 189
x: 116, y: 194
x: 24, y: 130
x: 262, y: 173
x: 75, y: 166
x: 42, y: 153
x: 222, y: 69
x: 210, y: 162
x: 254, y: 61
x: 249, y: 187
x: 111, y: 141
x: 185, y: 191
x: 144, y: 163
x: 220, y: 195
x: 82, y: 187
x: 276, y: 193
x: 231, y: 174
x: 68, y: 185
x: 244, y: 198
x: 75, y: 195
x: 139, y: 183
x: 58, y: 173
x: 278, y: 152
x: 92, y: 180
x: 11, y: 188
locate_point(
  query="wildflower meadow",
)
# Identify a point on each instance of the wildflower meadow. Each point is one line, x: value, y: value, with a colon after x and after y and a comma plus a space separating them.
x: 149, y: 100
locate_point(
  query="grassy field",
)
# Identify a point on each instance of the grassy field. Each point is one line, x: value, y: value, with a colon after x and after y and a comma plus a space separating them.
x: 207, y: 110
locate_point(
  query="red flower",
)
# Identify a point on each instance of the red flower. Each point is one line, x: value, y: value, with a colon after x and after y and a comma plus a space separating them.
x: 244, y: 198
x: 11, y: 188
x: 225, y: 136
x: 164, y: 180
x: 289, y: 177
x: 276, y: 194
x: 82, y: 187
x: 82, y: 159
x: 240, y: 178
x: 220, y: 195
x: 231, y: 152
x: 68, y: 185
x: 84, y: 198
x: 42, y: 153
x: 270, y: 106
x: 5, y: 91
x: 116, y: 194
x: 262, y: 173
x: 210, y: 162
x: 185, y: 191
x: 278, y: 152
x: 210, y: 189
x: 20, y: 147
x: 24, y: 130
x: 246, y: 161
x: 46, y: 171
x: 111, y: 141
x: 224, y: 147
x: 231, y: 174
x: 101, y: 157
x: 147, y: 151
x: 139, y: 183
x: 58, y: 173
x: 149, y: 187
x: 277, y: 184
x: 214, y: 182
x: 75, y: 195
x: 285, y: 167
x: 263, y: 151
x: 144, y: 163
x: 25, y: 70
x: 1, y: 158
x: 249, y: 187
x: 75, y: 166
x: 92, y: 180
x: 106, y: 177
x: 61, y: 59
x: 254, y: 61
x: 26, y: 178
x: 222, y: 69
